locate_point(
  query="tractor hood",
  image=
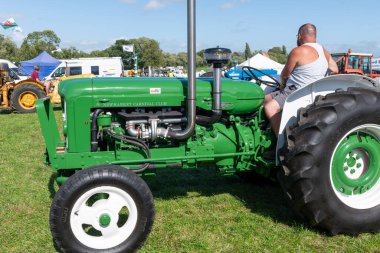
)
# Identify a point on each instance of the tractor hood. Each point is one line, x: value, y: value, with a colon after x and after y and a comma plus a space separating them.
x: 237, y: 96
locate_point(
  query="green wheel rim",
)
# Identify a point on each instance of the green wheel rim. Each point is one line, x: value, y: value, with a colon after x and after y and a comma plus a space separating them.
x: 355, y: 167
x: 356, y: 164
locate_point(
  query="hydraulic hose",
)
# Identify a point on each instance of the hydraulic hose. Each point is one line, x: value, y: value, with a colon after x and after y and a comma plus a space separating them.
x: 136, y: 142
x: 208, y: 120
x: 94, y: 130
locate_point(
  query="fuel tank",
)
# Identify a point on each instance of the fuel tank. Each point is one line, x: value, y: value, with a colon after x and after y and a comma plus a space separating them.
x: 238, y: 97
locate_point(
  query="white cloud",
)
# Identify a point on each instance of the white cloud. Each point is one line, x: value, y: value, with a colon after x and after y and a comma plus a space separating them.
x: 159, y: 4
x: 88, y: 42
x: 233, y: 3
x: 153, y: 5
x: 17, y: 37
x: 228, y: 5
x: 128, y: 1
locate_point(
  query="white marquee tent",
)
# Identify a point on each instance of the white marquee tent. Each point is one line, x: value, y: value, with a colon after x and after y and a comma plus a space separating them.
x: 259, y: 61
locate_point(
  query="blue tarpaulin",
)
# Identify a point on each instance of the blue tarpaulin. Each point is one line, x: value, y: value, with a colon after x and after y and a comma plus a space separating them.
x: 46, y: 62
x: 244, y: 75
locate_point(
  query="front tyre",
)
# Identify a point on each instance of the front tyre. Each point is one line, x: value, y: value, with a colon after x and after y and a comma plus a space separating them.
x: 24, y: 97
x: 331, y: 165
x: 103, y: 208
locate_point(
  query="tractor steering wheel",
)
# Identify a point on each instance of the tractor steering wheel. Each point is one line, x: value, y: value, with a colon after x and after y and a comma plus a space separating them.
x: 249, y: 71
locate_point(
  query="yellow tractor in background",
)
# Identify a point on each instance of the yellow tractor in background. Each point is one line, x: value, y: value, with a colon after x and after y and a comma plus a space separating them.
x: 22, y: 96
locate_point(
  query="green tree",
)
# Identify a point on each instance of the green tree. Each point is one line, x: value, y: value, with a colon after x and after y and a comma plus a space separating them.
x: 182, y: 59
x: 276, y: 54
x: 68, y: 53
x: 148, y: 51
x: 99, y: 53
x: 201, y: 53
x: 284, y: 52
x: 200, y: 61
x: 8, y: 49
x: 238, y: 56
x: 169, y: 60
x: 247, y: 51
x: 275, y: 50
x: 36, y: 42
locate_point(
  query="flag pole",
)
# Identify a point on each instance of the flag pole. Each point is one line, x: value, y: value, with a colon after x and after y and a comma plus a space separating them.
x: 135, y: 58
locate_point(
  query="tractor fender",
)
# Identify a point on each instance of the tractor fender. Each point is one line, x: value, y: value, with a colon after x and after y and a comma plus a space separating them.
x: 30, y: 81
x: 306, y: 96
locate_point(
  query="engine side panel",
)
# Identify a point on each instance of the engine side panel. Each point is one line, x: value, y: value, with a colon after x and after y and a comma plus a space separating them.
x: 82, y: 96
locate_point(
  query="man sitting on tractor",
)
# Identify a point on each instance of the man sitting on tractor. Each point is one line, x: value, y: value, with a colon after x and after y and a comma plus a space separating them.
x: 35, y: 77
x: 306, y: 63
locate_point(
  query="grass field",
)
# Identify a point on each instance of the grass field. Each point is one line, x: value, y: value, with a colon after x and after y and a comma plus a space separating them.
x: 196, y: 211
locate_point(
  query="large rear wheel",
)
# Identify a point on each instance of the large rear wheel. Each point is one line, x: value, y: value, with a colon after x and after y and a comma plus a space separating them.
x: 103, y: 208
x: 331, y: 165
x: 24, y: 97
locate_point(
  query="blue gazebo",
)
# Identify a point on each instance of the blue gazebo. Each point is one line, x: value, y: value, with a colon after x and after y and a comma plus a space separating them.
x: 46, y: 62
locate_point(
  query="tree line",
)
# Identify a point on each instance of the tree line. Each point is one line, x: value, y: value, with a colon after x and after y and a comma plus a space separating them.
x: 148, y: 51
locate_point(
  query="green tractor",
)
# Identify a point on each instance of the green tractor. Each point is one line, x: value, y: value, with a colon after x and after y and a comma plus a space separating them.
x: 116, y: 129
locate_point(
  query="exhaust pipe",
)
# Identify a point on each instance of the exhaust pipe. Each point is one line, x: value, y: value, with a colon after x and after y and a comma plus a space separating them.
x: 191, y: 88
x: 217, y: 57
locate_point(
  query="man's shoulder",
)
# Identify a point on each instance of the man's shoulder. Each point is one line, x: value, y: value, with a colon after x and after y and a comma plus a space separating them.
x: 296, y: 52
x: 302, y: 50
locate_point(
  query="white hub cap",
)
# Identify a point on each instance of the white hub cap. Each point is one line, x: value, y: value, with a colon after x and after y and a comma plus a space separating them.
x: 361, y: 163
x: 97, y: 225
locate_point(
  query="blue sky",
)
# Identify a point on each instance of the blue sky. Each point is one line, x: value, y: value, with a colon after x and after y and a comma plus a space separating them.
x: 96, y: 24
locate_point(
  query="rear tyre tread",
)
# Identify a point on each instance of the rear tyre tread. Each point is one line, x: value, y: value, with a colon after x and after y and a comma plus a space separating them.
x: 301, y: 177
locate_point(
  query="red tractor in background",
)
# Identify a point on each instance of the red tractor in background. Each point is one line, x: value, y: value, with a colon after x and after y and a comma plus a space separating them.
x: 355, y: 63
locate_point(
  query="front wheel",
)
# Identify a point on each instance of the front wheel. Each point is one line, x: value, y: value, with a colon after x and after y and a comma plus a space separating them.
x: 24, y: 97
x: 103, y: 208
x: 331, y: 166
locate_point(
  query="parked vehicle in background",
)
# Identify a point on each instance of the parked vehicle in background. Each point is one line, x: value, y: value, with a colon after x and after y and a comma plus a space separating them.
x: 355, y: 63
x: 21, y: 95
x: 14, y: 71
x: 99, y: 66
x: 375, y: 65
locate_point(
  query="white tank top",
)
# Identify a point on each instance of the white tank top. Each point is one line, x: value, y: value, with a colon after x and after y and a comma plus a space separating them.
x: 311, y: 72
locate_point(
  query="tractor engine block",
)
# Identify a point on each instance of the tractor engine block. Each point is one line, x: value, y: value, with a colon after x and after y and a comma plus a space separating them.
x: 137, y: 129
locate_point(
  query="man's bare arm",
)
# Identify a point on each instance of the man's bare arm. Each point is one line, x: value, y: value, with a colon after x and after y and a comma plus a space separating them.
x: 289, y: 66
x: 332, y: 64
